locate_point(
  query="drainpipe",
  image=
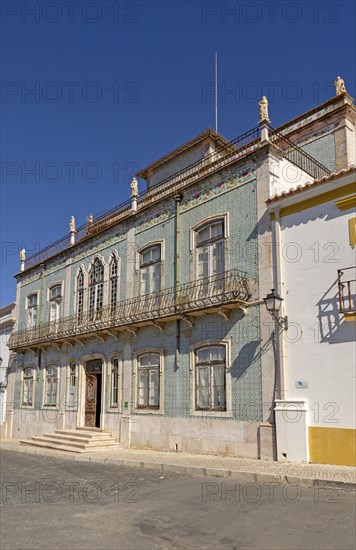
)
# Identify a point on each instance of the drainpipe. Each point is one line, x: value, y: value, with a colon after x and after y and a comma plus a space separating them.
x: 178, y: 200
x: 41, y: 320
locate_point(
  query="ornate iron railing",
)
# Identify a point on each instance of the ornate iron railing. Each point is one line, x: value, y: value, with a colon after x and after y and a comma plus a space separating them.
x: 347, y: 289
x: 218, y: 159
x: 297, y: 156
x: 210, y: 292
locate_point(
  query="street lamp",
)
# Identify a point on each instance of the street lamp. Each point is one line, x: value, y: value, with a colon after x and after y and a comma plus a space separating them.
x: 273, y: 303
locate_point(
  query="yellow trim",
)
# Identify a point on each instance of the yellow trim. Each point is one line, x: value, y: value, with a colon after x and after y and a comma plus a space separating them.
x: 346, y: 204
x: 272, y: 216
x: 350, y: 316
x: 319, y: 199
x: 352, y: 232
x: 332, y: 446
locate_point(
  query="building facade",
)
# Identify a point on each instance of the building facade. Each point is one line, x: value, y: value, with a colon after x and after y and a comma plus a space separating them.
x: 7, y: 323
x: 150, y: 321
x: 315, y: 239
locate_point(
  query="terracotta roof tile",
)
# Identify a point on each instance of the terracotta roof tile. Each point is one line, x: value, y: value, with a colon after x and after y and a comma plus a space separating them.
x: 321, y: 181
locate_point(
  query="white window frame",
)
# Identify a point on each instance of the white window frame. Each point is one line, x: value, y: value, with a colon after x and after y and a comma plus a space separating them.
x: 210, y: 220
x: 114, y: 257
x: 110, y: 406
x: 228, y: 382
x: 148, y: 410
x: 45, y: 371
x: 98, y: 287
x: 81, y: 270
x: 72, y: 403
x: 57, y: 300
x: 28, y: 309
x: 26, y: 405
x: 139, y: 252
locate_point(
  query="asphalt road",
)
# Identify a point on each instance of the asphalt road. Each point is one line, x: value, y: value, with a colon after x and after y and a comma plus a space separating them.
x: 52, y: 503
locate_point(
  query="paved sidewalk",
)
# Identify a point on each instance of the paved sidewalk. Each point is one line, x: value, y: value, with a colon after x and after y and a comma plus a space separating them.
x: 248, y: 470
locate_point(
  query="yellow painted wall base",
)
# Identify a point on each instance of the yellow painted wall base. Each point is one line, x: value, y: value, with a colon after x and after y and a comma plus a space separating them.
x: 332, y: 446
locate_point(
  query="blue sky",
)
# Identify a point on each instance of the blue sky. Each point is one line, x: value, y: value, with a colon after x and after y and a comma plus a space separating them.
x: 115, y: 85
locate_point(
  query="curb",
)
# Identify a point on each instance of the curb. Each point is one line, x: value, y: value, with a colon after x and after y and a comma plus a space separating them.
x: 240, y: 475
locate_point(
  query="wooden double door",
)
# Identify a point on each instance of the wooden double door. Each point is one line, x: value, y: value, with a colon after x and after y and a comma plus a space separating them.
x: 93, y: 390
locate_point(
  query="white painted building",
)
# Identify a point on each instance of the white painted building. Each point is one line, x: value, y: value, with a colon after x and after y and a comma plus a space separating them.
x: 314, y: 232
x: 7, y: 322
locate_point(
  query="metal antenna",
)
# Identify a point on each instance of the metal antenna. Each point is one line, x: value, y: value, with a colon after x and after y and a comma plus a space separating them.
x: 216, y: 91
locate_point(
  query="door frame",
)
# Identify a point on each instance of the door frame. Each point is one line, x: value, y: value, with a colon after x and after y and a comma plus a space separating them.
x: 82, y: 387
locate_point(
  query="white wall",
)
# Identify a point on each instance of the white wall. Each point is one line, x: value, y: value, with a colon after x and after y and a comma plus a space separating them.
x: 320, y: 343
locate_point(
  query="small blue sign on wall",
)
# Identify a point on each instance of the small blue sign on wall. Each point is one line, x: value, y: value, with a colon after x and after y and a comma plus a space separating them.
x: 301, y: 384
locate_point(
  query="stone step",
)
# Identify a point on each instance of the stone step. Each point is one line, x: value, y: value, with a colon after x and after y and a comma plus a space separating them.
x: 78, y: 440
x: 68, y: 448
x: 82, y: 440
x: 97, y: 436
x: 88, y: 429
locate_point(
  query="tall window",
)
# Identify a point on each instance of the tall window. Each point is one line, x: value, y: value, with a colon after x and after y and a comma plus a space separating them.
x: 27, y: 389
x: 72, y: 384
x: 210, y: 249
x: 114, y: 385
x: 150, y: 270
x: 148, y: 389
x: 32, y: 307
x: 80, y: 296
x: 210, y: 379
x: 96, y: 287
x: 55, y: 298
x: 51, y: 384
x: 114, y: 272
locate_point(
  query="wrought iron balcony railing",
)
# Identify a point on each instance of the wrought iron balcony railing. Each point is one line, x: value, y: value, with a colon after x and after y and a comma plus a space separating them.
x: 298, y: 156
x: 222, y: 157
x: 346, y: 280
x: 228, y: 288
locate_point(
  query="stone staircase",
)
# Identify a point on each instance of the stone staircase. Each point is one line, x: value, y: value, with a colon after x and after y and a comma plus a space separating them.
x: 80, y: 440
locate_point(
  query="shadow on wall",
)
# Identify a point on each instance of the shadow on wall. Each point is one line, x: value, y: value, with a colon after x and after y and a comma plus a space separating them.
x: 333, y: 328
x: 246, y: 357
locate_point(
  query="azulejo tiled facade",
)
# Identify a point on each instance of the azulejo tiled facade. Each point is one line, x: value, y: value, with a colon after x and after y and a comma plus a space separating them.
x: 151, y: 323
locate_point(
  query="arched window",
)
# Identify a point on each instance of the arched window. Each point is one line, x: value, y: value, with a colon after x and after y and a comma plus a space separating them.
x: 114, y: 273
x: 51, y: 385
x: 210, y: 249
x: 80, y: 294
x: 32, y: 307
x: 148, y: 381
x: 210, y: 378
x: 55, y: 299
x: 96, y: 287
x: 27, y: 387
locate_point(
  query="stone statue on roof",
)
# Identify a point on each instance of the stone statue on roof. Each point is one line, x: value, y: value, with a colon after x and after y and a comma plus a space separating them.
x: 72, y: 225
x: 23, y: 255
x: 339, y: 86
x: 134, y: 188
x: 90, y: 221
x: 264, y: 109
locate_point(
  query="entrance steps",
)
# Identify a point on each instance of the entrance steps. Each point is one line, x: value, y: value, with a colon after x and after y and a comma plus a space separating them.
x: 81, y: 440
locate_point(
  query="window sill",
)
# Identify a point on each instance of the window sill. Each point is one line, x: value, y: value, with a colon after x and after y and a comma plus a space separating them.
x: 220, y: 415
x: 147, y: 412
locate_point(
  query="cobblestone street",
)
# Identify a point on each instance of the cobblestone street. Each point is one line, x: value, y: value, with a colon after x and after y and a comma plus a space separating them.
x: 58, y: 503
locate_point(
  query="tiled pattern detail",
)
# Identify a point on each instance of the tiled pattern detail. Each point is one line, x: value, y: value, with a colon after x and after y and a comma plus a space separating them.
x: 322, y: 149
